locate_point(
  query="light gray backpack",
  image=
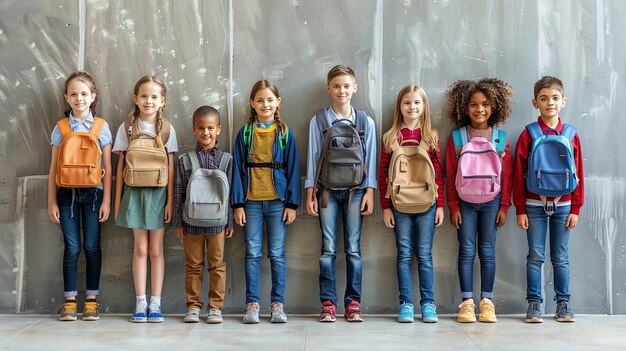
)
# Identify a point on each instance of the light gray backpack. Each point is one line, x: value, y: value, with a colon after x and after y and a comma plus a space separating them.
x: 206, y: 204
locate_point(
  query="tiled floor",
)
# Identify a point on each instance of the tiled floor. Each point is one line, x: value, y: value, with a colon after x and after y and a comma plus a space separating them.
x: 379, y: 332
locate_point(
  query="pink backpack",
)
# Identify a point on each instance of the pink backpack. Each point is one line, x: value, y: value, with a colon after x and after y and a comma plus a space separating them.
x: 479, y: 165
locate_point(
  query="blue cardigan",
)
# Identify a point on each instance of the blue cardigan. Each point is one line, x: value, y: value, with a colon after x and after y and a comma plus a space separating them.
x: 286, y: 180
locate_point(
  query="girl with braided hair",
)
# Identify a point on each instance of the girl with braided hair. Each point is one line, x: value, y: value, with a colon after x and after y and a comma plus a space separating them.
x: 146, y: 209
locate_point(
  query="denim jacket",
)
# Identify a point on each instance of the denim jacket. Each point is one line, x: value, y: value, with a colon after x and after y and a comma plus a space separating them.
x: 286, y: 180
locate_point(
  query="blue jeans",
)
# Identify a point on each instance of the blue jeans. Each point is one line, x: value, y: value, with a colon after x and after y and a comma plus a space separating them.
x: 270, y: 212
x: 414, y: 236
x: 559, y: 239
x: 352, y: 220
x: 75, y: 204
x: 478, y: 225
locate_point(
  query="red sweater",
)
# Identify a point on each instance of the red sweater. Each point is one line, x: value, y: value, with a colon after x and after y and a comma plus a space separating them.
x: 522, y: 150
x: 506, y: 178
x: 385, y: 159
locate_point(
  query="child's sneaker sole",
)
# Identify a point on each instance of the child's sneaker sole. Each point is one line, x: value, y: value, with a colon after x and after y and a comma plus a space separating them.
x: 91, y: 318
x: 533, y: 320
x: 566, y: 319
x: 328, y: 319
x: 355, y: 318
x: 67, y: 318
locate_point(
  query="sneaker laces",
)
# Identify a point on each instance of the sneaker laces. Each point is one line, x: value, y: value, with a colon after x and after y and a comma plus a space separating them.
x: 69, y: 307
x: 487, y: 307
x: 354, y: 307
x: 277, y: 307
x: 141, y: 307
x: 91, y: 307
x: 328, y: 308
x: 563, y: 308
x: 252, y: 307
x: 533, y: 306
x: 465, y: 307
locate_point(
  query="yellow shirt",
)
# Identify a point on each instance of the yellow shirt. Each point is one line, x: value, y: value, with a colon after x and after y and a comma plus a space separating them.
x: 261, y: 186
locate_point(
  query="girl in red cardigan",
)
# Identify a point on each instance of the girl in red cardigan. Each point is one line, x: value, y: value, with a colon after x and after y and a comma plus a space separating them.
x: 475, y: 108
x: 414, y: 232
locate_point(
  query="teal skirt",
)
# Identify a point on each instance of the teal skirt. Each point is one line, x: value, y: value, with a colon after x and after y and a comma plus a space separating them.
x: 142, y: 208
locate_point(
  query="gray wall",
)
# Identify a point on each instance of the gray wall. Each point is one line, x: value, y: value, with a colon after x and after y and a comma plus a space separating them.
x: 211, y: 52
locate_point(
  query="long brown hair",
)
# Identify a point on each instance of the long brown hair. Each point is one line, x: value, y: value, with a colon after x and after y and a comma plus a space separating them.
x: 150, y: 79
x: 258, y: 86
x: 428, y: 131
x: 86, y: 78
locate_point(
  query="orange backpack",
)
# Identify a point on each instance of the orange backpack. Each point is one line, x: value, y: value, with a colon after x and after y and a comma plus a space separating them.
x: 79, y: 159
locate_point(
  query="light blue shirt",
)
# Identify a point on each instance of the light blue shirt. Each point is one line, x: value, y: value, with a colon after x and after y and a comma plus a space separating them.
x: 315, y: 145
x: 105, y: 138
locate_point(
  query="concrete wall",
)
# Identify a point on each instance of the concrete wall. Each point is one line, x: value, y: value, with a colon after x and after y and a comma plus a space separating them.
x: 211, y: 52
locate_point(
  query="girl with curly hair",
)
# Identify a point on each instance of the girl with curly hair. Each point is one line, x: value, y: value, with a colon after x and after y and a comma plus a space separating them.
x: 479, y: 196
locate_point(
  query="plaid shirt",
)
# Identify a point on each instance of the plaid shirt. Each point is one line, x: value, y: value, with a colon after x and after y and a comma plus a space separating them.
x: 209, y: 159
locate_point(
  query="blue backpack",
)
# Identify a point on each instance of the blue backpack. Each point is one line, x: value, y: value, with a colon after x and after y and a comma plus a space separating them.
x: 551, y: 166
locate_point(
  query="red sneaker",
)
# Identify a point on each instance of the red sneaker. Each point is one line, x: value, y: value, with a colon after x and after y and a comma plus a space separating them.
x: 353, y: 312
x: 329, y: 312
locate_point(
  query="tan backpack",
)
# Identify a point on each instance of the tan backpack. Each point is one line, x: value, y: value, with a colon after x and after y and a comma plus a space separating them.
x: 146, y: 160
x: 78, y: 162
x: 411, y: 178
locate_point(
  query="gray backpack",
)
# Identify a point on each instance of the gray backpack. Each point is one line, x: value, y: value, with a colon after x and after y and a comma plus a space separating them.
x: 342, y: 159
x: 206, y: 204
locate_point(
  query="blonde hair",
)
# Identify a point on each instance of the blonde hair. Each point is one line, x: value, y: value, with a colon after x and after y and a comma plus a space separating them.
x: 429, y: 133
x: 150, y: 79
x: 258, y: 86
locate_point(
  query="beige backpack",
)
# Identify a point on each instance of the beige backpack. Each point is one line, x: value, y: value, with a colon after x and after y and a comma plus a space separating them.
x: 411, y: 178
x: 146, y: 160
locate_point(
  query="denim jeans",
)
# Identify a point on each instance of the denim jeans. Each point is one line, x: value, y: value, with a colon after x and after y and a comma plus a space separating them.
x: 538, y: 223
x: 75, y: 204
x: 414, y: 236
x: 270, y: 213
x: 478, y: 226
x: 329, y: 223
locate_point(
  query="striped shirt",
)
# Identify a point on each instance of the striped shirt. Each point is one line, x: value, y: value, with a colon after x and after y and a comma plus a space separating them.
x: 209, y: 159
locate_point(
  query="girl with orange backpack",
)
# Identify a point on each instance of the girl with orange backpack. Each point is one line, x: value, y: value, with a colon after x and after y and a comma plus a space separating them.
x: 146, y: 144
x: 79, y: 189
x: 479, y: 174
x: 411, y: 196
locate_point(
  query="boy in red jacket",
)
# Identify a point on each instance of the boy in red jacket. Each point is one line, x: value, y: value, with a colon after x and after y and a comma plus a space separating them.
x: 549, y: 98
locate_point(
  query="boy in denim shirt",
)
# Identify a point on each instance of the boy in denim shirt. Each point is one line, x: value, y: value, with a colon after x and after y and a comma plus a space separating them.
x: 532, y: 214
x: 352, y: 205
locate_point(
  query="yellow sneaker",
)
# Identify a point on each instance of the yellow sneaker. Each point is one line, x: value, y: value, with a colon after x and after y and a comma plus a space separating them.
x: 487, y: 311
x: 69, y: 311
x: 467, y: 312
x: 91, y: 311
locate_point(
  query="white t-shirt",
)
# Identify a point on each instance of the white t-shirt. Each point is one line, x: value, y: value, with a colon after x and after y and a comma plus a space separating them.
x: 121, y: 138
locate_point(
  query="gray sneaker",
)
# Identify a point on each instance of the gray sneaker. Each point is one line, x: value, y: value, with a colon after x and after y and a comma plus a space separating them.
x: 563, y: 311
x: 533, y: 314
x: 215, y: 316
x: 277, y: 314
x: 192, y: 316
x: 252, y: 313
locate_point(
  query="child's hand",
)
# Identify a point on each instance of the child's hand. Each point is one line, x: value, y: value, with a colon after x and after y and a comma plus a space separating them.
x: 501, y: 218
x: 311, y: 203
x: 388, y: 218
x: 455, y: 219
x: 289, y: 215
x: 167, y: 216
x: 228, y: 232
x: 180, y: 232
x: 571, y: 222
x: 240, y: 216
x: 53, y: 212
x: 367, y: 203
x: 439, y: 216
x: 522, y: 221
x: 105, y: 211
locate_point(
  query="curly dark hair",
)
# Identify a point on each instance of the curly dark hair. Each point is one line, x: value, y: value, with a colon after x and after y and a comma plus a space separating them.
x: 498, y: 92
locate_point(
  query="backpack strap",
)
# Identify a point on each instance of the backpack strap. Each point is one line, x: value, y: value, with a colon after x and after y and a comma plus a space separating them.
x: 321, y: 120
x: 459, y: 136
x: 498, y: 139
x: 132, y: 131
x: 568, y: 131
x: 535, y: 130
x: 64, y: 126
x: 224, y: 161
x: 165, y: 131
x: 248, y: 130
x: 96, y: 128
x: 193, y: 157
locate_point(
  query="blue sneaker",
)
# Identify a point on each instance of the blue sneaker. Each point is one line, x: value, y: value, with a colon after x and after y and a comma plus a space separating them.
x: 533, y: 314
x: 429, y: 313
x: 140, y: 317
x: 155, y: 315
x: 406, y: 313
